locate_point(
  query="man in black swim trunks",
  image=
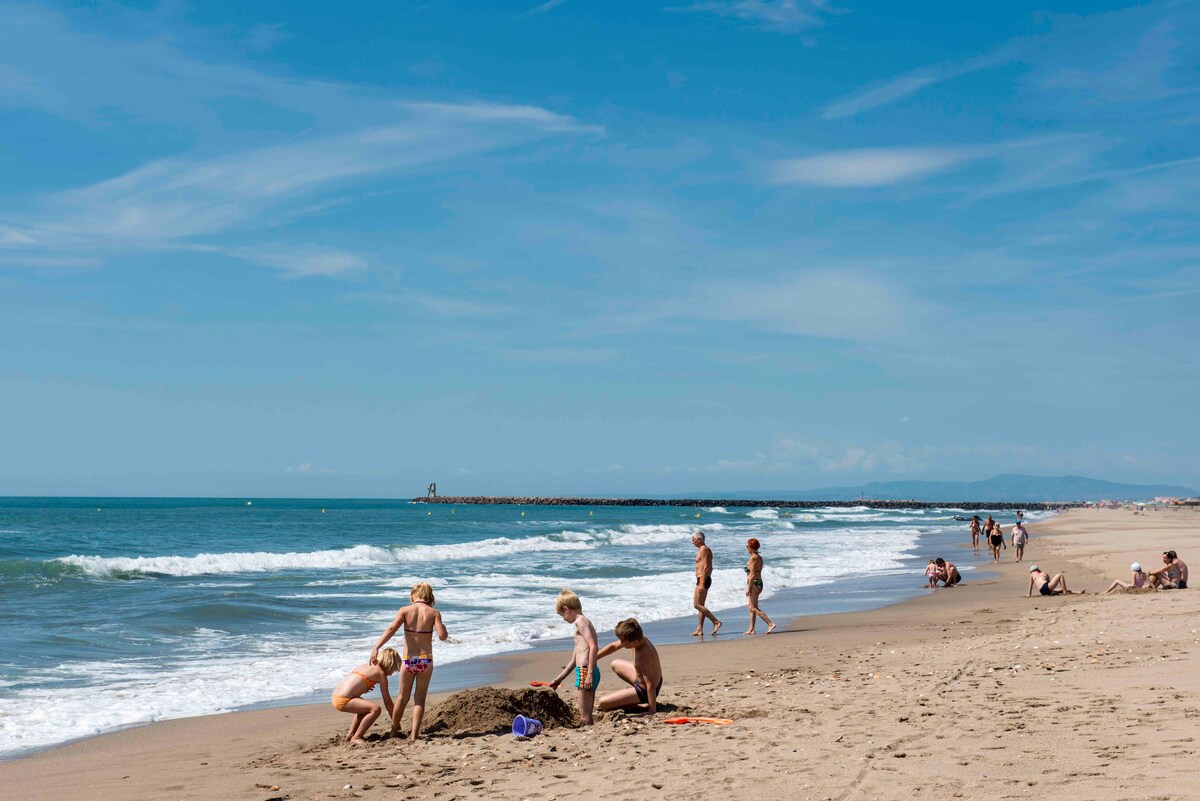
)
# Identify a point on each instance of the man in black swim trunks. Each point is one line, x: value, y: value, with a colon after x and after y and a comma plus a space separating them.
x: 704, y: 568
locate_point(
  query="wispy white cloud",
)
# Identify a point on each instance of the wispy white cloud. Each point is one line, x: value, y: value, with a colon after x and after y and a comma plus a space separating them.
x: 302, y: 261
x: 829, y: 304
x: 865, y: 167
x: 549, y: 5
x: 175, y: 201
x: 892, y: 89
x: 786, y: 16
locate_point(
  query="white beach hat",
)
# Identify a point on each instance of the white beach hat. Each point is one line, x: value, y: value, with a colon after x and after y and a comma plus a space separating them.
x: 1136, y: 567
x: 1032, y: 568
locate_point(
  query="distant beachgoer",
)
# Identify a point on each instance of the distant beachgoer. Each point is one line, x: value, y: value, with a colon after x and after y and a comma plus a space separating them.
x: 995, y: 540
x: 584, y: 661
x: 931, y: 574
x: 643, y: 675
x: 1019, y: 537
x: 754, y: 586
x: 1173, y: 575
x: 420, y: 620
x: 975, y: 531
x: 987, y: 525
x: 1041, y: 581
x: 348, y: 696
x: 1138, y: 579
x: 947, y: 573
x: 704, y: 569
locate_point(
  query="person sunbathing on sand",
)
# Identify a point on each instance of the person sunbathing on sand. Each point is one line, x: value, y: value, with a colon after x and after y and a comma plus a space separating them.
x: 583, y: 658
x: 947, y: 573
x: 347, y: 696
x: 420, y: 620
x: 754, y: 586
x: 644, y: 674
x: 1137, y: 578
x: 1173, y: 575
x: 1041, y: 581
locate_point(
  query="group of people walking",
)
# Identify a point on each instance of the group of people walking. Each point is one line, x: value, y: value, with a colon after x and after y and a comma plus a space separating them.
x: 754, y: 586
x: 993, y: 536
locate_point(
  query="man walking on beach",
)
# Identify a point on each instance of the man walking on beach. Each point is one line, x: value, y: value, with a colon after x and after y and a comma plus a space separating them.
x: 704, y: 568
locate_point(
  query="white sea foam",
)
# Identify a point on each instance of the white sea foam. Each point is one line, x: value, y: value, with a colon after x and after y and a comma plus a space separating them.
x: 717, y: 510
x: 763, y: 514
x: 503, y: 604
x: 372, y: 555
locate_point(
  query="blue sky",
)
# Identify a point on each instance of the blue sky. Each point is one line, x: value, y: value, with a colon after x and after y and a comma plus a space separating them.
x: 262, y: 249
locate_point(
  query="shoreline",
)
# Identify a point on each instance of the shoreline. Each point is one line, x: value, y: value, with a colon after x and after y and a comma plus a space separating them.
x: 824, y: 655
x: 879, y: 591
x: 738, y: 503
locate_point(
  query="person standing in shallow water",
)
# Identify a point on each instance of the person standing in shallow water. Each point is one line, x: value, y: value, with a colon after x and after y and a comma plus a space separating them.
x: 754, y: 586
x: 975, y: 533
x: 704, y: 568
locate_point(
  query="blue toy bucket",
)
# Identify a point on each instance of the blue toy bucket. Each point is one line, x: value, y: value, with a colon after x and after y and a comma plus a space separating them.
x: 526, y: 727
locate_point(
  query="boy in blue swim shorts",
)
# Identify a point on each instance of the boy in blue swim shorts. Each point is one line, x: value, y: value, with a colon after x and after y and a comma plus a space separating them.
x: 583, y: 657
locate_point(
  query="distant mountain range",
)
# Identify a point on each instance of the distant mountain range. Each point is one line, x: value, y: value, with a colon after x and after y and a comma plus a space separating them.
x: 1008, y: 487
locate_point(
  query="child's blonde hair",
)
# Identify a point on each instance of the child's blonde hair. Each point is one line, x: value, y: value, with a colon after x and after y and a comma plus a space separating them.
x: 567, y: 600
x: 389, y: 660
x: 421, y: 591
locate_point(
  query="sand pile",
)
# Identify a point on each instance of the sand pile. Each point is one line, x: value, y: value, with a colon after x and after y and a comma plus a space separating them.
x: 490, y: 710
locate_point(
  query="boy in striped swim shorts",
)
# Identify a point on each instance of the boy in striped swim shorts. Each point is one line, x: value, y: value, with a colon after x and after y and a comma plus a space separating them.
x: 583, y: 657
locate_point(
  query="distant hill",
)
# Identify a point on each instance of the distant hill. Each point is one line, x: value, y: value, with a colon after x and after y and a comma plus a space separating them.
x: 1008, y: 487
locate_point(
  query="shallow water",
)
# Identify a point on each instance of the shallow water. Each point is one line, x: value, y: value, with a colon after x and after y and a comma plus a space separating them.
x: 122, y: 611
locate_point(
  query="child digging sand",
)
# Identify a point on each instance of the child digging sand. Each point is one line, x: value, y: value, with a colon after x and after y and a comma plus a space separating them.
x: 347, y: 696
x: 583, y: 658
x: 643, y: 674
x: 420, y: 620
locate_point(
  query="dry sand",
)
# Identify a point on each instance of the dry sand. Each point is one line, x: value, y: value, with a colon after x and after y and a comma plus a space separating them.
x: 975, y: 692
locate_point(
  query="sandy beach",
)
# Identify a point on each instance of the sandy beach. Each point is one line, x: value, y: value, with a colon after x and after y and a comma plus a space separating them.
x: 972, y: 692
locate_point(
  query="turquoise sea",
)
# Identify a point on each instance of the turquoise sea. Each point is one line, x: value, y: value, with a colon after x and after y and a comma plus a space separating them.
x: 116, y: 612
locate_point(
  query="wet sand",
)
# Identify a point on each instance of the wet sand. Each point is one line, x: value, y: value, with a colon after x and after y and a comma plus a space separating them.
x: 972, y: 692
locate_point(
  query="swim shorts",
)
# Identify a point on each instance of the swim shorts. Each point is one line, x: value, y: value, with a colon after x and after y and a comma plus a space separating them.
x: 595, y: 677
x: 706, y: 581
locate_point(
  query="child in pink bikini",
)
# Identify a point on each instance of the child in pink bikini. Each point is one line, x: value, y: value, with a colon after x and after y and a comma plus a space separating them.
x: 348, y: 696
x: 420, y: 620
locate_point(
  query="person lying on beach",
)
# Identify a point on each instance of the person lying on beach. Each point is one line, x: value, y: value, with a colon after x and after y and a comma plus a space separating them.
x: 420, y: 620
x: 947, y: 573
x: 1019, y: 537
x: 704, y: 568
x: 1042, y: 582
x: 583, y: 657
x: 643, y: 675
x: 1138, y: 579
x: 754, y: 586
x: 931, y: 574
x: 348, y: 696
x: 1173, y: 575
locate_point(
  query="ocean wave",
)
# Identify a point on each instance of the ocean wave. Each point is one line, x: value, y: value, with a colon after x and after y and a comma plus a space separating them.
x: 717, y: 510
x: 357, y: 556
x: 267, y: 562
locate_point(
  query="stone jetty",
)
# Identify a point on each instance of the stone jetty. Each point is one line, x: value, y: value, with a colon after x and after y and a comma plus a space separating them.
x: 463, y: 500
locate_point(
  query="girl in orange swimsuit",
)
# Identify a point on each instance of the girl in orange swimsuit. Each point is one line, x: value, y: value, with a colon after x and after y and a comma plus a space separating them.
x: 420, y: 622
x: 348, y: 696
